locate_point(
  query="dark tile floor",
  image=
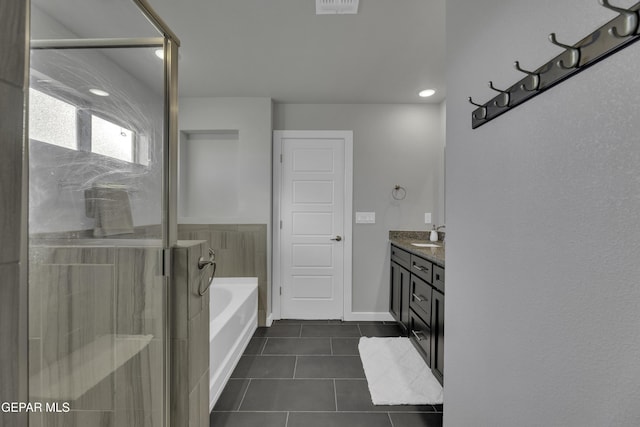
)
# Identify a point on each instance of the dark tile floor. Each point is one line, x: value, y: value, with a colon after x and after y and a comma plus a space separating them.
x: 301, y: 373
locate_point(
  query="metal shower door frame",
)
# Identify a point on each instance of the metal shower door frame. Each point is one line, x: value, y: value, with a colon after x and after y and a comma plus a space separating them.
x: 170, y: 44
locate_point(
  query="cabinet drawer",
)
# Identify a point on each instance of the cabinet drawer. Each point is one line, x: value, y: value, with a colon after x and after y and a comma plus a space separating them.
x: 400, y: 256
x: 420, y: 298
x: 420, y: 335
x: 438, y: 278
x: 421, y: 268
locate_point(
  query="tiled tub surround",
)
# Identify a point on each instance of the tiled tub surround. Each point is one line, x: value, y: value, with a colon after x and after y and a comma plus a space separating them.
x: 309, y: 374
x: 189, y: 336
x: 241, y: 251
x: 95, y: 333
x: 13, y: 280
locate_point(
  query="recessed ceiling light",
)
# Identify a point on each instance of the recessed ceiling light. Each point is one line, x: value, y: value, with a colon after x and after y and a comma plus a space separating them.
x: 99, y: 92
x: 159, y: 53
x: 426, y: 93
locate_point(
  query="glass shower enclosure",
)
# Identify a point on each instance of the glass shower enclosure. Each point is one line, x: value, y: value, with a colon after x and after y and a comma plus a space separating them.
x: 102, y: 143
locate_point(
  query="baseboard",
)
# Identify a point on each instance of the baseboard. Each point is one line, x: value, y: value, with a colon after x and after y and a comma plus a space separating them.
x: 367, y: 316
x: 361, y: 316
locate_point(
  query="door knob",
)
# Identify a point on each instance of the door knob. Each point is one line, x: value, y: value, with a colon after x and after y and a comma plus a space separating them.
x: 337, y: 238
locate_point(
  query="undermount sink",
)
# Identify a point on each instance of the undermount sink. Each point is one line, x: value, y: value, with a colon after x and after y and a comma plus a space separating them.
x: 426, y: 245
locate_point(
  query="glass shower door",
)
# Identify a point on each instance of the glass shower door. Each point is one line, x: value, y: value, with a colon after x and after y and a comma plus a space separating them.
x: 98, y: 216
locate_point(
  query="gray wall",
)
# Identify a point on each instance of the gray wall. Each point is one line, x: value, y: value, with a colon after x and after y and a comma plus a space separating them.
x: 13, y: 273
x: 238, y: 193
x: 543, y: 237
x: 249, y: 178
x: 392, y: 144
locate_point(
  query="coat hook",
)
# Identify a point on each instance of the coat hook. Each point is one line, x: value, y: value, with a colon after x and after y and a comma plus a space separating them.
x: 505, y: 94
x: 535, y: 78
x: 484, y: 110
x: 573, y: 51
x: 630, y: 20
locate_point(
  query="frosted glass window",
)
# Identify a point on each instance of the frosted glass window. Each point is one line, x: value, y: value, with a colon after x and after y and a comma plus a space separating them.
x: 51, y: 120
x: 111, y: 140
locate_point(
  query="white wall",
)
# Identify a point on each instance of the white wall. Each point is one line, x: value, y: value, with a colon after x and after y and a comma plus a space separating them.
x: 543, y: 237
x: 247, y: 198
x: 393, y: 144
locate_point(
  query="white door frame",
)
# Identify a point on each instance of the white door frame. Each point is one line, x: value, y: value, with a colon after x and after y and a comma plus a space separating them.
x: 276, y: 269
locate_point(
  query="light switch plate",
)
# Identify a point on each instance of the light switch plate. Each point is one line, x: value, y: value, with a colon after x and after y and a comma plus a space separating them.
x: 427, y: 218
x: 365, y: 217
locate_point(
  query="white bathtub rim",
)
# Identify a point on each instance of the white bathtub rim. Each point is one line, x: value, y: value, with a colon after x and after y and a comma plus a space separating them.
x: 245, y: 290
x: 234, y: 281
x: 233, y: 356
x: 223, y: 316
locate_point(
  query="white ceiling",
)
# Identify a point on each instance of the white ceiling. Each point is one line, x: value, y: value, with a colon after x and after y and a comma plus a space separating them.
x: 280, y: 49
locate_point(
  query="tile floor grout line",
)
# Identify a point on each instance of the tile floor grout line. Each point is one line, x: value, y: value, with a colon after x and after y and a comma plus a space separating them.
x: 335, y: 394
x: 295, y: 366
x: 331, y: 345
x: 286, y: 423
x: 390, y: 420
x: 246, y: 390
x: 264, y: 345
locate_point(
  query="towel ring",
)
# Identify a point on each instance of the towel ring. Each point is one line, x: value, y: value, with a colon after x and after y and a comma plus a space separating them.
x: 202, y: 265
x: 399, y: 192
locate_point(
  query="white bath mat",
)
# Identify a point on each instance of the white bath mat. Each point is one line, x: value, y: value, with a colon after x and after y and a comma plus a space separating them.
x: 396, y: 373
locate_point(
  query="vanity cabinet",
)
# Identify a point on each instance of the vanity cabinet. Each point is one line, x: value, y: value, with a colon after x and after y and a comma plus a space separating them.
x: 417, y: 303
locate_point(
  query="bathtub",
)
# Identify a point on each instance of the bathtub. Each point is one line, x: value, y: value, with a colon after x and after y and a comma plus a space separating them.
x: 234, y: 319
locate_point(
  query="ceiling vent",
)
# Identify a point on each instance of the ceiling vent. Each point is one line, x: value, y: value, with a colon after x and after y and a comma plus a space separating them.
x: 333, y: 7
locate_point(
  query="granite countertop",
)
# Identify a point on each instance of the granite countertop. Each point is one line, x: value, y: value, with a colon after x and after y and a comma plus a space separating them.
x: 404, y: 240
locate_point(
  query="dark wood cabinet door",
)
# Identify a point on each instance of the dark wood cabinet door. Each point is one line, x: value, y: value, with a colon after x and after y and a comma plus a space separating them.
x: 405, y: 297
x: 399, y: 297
x: 437, y: 335
x: 396, y: 291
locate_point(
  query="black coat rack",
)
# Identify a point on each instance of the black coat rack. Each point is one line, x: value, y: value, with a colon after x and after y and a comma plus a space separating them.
x: 615, y: 35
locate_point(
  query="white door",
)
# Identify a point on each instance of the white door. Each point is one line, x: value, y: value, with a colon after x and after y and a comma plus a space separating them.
x: 312, y: 233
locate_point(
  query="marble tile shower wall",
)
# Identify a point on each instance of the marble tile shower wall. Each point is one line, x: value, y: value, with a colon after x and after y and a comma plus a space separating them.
x: 241, y: 251
x: 13, y: 284
x: 95, y: 335
x: 189, y: 337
